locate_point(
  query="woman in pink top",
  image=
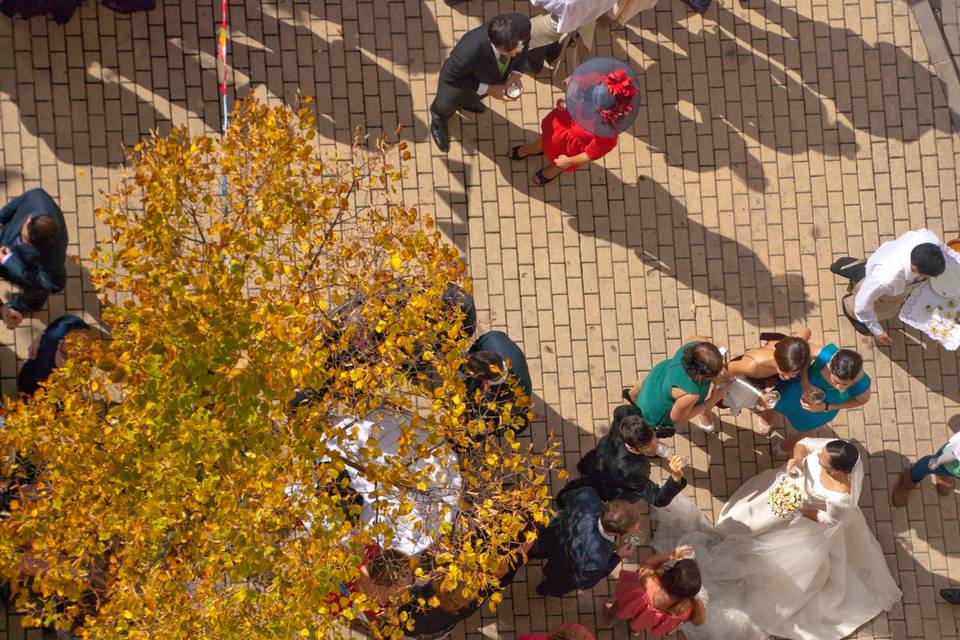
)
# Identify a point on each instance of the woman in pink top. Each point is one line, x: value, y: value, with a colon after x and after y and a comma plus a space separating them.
x: 657, y: 597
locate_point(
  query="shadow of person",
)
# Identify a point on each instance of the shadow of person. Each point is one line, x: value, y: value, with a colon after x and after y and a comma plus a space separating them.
x: 853, y: 77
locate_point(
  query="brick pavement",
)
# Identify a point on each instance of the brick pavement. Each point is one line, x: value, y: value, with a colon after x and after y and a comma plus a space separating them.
x: 772, y: 138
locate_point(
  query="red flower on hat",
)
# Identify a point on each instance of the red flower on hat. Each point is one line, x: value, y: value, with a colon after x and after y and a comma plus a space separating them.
x: 619, y: 83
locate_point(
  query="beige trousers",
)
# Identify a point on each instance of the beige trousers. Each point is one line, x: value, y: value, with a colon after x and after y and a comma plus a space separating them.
x: 886, y: 308
x: 543, y: 31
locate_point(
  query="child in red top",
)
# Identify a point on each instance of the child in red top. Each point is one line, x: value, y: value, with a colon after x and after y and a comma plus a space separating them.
x: 659, y: 598
x: 601, y: 101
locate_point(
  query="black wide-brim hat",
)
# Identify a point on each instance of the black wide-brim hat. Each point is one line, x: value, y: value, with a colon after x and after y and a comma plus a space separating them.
x: 588, y: 94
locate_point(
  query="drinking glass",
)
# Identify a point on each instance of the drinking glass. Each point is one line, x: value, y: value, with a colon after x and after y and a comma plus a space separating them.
x: 665, y: 451
x: 637, y: 538
x: 771, y: 398
x: 816, y: 395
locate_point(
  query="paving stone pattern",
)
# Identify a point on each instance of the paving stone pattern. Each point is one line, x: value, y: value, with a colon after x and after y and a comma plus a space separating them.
x: 772, y: 138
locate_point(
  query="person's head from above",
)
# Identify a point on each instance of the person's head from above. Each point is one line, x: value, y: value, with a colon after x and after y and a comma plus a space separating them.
x: 570, y: 632
x: 390, y: 568
x: 40, y: 231
x: 927, y: 260
x: 487, y: 367
x: 838, y: 457
x: 505, y: 35
x: 620, y: 517
x: 792, y: 356
x: 638, y: 436
x: 682, y: 580
x: 71, y: 344
x: 702, y: 361
x: 843, y: 369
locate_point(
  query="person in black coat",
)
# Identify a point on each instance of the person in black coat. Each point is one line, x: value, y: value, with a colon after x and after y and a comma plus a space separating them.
x: 495, y: 363
x: 486, y: 61
x: 47, y: 353
x: 585, y: 541
x: 619, y: 468
x: 33, y: 252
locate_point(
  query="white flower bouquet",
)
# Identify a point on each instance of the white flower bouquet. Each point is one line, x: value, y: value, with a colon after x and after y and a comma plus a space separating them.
x: 786, y: 498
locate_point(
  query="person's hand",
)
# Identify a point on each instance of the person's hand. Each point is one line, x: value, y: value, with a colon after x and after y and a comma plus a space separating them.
x: 34, y: 349
x: 679, y: 552
x: 813, y: 407
x: 626, y: 549
x: 499, y: 91
x: 884, y: 339
x: 563, y: 161
x: 791, y: 463
x: 515, y: 80
x: 11, y: 317
x: 676, y: 467
x: 4, y: 252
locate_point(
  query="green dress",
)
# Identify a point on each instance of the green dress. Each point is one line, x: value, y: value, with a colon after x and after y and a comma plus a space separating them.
x: 655, y: 399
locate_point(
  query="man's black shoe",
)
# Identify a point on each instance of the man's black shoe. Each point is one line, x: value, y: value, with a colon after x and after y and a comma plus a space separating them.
x: 855, y: 273
x: 441, y: 135
x: 475, y: 107
x: 951, y: 595
x: 700, y: 6
x: 665, y: 431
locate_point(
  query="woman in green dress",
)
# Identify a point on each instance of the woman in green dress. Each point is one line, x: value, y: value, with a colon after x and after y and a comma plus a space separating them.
x: 678, y: 389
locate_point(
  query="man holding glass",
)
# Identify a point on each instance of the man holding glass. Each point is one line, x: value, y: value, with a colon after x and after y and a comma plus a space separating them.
x: 488, y: 60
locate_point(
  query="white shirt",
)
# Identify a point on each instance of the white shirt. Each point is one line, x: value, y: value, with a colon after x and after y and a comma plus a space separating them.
x: 888, y: 274
x: 573, y: 14
x: 603, y: 532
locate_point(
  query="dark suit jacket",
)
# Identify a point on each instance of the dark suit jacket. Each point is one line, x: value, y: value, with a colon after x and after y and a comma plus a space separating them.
x: 36, y: 272
x: 473, y: 61
x: 573, y: 540
x: 39, y: 369
x: 616, y: 473
x: 501, y: 344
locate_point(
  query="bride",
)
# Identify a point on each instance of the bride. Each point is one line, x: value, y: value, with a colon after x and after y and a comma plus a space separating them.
x: 817, y: 576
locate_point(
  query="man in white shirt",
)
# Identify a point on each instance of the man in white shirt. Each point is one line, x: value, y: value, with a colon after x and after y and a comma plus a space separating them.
x: 880, y: 287
x: 565, y: 17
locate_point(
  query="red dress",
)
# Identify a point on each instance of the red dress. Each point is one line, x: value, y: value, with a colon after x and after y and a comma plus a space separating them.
x: 634, y: 603
x: 563, y: 136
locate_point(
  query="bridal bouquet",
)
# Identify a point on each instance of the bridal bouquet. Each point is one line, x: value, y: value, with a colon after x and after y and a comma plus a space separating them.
x: 785, y: 498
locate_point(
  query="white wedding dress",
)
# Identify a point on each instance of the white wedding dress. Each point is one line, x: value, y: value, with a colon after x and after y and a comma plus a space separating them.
x: 765, y: 576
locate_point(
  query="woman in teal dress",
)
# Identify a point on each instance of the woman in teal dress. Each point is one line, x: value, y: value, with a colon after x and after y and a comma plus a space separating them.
x: 834, y: 380
x: 677, y: 389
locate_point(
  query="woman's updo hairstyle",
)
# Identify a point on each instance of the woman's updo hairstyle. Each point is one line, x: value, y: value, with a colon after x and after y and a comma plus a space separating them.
x: 843, y: 455
x: 682, y: 580
x: 846, y: 364
x: 702, y: 360
x: 792, y: 354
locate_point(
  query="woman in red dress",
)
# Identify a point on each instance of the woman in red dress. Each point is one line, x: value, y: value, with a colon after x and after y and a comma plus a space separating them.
x: 659, y: 598
x: 601, y: 101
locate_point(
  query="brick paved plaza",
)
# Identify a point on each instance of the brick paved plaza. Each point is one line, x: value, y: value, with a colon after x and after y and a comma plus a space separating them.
x: 773, y: 137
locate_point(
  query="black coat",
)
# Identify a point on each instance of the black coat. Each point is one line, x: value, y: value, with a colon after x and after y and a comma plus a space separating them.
x: 473, y: 61
x: 37, y: 273
x: 38, y: 369
x: 498, y: 342
x: 616, y: 473
x: 577, y: 555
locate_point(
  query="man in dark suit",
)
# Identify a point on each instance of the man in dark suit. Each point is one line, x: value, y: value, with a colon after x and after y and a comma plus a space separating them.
x: 585, y: 541
x: 487, y: 61
x: 619, y: 468
x: 495, y: 367
x: 33, y: 252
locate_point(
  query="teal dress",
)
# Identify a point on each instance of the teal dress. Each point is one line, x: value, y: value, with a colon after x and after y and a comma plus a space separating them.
x: 655, y: 399
x: 792, y: 390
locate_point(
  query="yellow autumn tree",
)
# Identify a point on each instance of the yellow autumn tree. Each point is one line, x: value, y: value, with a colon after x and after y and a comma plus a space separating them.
x: 278, y: 391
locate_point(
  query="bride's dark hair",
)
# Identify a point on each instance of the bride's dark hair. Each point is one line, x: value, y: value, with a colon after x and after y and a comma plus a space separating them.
x: 843, y: 455
x: 682, y: 580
